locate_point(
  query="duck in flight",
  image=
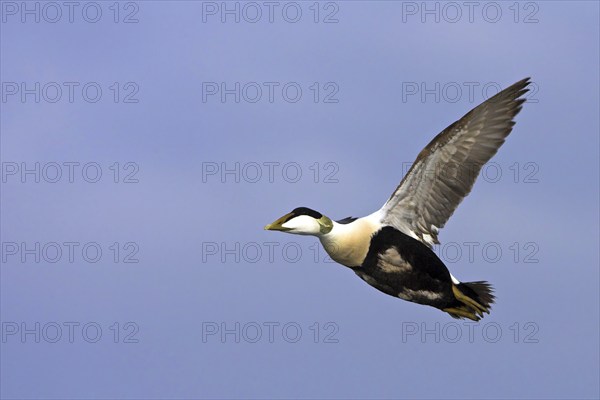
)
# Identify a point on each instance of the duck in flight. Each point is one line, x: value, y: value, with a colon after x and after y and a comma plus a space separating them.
x: 391, y: 249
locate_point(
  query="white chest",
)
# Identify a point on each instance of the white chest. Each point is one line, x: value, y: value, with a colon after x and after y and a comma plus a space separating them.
x: 348, y: 244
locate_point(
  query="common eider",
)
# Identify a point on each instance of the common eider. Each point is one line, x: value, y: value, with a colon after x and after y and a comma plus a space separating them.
x: 391, y: 249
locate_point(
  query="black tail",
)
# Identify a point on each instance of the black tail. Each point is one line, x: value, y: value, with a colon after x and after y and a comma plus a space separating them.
x: 473, y: 299
x: 481, y: 292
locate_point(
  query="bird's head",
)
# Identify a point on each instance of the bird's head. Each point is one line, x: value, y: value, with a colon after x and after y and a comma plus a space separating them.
x: 302, y: 221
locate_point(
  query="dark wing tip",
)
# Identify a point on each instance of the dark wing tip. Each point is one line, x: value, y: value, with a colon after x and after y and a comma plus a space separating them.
x: 508, y: 100
x: 514, y: 91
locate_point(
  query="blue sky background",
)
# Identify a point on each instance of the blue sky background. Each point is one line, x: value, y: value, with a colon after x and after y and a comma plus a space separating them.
x: 542, y: 338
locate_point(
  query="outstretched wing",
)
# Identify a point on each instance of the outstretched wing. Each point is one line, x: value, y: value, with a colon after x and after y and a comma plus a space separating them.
x: 445, y: 170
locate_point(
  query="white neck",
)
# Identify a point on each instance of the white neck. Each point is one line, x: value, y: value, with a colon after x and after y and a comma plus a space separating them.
x: 348, y: 244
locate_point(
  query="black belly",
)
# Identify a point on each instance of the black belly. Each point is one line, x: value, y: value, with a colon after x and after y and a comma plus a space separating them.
x: 403, y: 267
